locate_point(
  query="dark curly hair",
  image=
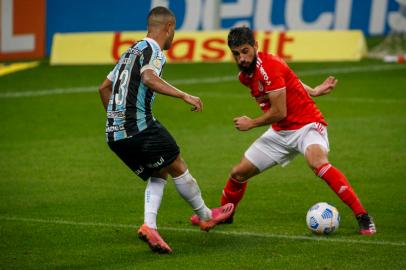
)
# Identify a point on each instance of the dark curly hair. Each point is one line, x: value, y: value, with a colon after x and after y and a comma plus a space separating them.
x: 239, y: 36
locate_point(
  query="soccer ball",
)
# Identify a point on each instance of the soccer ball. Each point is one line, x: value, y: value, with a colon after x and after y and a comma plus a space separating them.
x: 323, y: 218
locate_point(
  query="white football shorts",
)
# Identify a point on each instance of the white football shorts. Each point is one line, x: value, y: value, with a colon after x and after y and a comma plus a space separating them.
x: 280, y: 147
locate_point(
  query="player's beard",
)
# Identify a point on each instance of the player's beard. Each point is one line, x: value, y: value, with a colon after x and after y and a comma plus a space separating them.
x: 250, y: 69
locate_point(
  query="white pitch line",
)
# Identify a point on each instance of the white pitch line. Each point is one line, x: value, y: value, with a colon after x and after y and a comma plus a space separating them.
x: 209, y: 80
x: 196, y: 230
x: 49, y: 92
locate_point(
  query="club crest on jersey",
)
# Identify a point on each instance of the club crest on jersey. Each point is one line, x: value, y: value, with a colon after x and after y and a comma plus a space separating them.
x: 157, y: 63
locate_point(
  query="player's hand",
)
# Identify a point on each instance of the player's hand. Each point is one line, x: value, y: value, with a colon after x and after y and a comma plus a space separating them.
x: 326, y: 87
x: 243, y: 123
x: 195, y: 102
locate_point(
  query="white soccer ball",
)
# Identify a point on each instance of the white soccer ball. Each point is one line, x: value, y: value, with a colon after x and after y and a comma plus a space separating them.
x: 323, y: 218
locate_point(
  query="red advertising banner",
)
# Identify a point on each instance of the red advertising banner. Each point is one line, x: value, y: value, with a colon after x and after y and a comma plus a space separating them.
x: 188, y: 47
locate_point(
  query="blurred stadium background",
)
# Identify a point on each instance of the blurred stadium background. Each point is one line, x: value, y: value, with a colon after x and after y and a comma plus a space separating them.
x: 66, y: 202
x: 39, y: 28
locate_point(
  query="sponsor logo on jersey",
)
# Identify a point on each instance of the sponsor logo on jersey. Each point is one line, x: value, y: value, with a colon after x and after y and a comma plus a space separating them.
x: 264, y: 75
x: 125, y: 61
x: 115, y: 128
x: 134, y: 51
x: 119, y: 114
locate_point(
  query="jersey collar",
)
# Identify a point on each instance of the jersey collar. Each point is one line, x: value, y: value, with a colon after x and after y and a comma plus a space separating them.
x: 152, y: 41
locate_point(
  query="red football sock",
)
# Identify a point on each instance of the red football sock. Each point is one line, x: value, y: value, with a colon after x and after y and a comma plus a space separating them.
x: 233, y: 192
x: 339, y: 184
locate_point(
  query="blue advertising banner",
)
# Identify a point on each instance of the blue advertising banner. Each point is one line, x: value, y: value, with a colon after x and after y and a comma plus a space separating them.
x: 373, y: 17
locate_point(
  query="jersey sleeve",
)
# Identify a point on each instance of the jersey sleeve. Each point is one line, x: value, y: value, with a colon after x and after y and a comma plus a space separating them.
x: 273, y: 78
x: 151, y: 59
x: 112, y: 74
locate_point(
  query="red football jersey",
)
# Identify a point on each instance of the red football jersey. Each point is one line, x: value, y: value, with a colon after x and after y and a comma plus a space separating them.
x: 271, y: 74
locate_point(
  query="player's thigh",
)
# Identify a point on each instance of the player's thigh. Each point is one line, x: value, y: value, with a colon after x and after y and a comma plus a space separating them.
x: 314, y: 145
x: 314, y: 133
x: 126, y: 150
x: 159, y: 149
x: 258, y: 158
x: 176, y: 168
x: 148, y: 152
x: 269, y: 150
x: 316, y: 155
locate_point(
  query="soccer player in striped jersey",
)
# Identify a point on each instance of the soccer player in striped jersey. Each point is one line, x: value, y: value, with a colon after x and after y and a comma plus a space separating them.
x: 297, y: 126
x: 139, y: 139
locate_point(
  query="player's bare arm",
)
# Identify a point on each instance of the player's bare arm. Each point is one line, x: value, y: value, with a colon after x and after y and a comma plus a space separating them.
x: 276, y: 113
x: 105, y: 92
x: 150, y: 79
x: 325, y: 88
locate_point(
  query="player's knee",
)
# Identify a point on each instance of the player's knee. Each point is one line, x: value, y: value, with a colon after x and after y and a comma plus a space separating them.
x: 239, y: 174
x: 316, y: 156
x: 162, y: 174
x: 316, y: 164
x: 177, y: 167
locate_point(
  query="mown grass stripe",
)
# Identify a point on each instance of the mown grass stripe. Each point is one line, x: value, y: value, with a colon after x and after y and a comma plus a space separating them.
x: 209, y: 80
x: 196, y: 230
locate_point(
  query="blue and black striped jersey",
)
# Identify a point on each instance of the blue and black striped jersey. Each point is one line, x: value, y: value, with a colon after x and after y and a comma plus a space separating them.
x: 130, y: 106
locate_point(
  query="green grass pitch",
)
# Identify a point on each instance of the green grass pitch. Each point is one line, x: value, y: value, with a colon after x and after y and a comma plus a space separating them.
x: 67, y: 202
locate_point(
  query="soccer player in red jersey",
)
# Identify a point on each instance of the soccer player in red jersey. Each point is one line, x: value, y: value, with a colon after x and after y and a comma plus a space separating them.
x: 297, y: 125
